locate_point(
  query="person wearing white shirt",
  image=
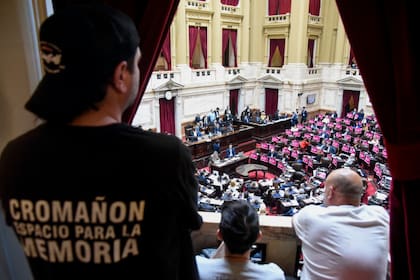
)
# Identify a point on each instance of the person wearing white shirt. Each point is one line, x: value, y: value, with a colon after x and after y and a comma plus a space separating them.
x: 238, y: 230
x: 343, y: 239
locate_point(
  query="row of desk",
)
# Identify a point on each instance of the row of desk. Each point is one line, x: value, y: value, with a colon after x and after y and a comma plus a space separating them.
x: 243, y: 133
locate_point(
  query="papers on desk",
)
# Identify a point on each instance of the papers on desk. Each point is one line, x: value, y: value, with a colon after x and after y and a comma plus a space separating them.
x: 212, y: 201
x: 290, y: 203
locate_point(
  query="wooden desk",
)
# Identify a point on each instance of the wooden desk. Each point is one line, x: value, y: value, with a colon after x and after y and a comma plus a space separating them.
x: 204, y: 146
x: 264, y: 131
x: 229, y: 166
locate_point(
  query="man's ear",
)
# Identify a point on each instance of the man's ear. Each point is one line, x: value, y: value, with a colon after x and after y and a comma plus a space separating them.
x: 120, y: 75
x: 219, y: 235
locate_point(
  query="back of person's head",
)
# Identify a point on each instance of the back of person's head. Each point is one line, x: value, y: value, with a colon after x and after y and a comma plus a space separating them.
x: 347, y: 185
x: 239, y: 226
x: 80, y: 47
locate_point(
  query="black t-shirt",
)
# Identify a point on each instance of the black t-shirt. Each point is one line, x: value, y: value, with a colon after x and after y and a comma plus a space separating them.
x: 112, y: 201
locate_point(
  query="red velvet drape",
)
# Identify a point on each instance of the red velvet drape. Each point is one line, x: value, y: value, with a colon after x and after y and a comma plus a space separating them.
x: 230, y: 2
x: 233, y: 101
x: 226, y: 34
x: 166, y: 50
x: 383, y: 36
x: 284, y: 6
x: 314, y: 7
x: 159, y: 14
x: 271, y: 100
x: 203, y: 39
x: 193, y: 34
x: 273, y: 7
x: 167, y: 116
x: 311, y: 46
x: 274, y: 44
x: 278, y: 7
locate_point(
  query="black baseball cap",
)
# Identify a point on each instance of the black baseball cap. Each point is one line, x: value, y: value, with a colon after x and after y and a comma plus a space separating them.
x: 80, y: 47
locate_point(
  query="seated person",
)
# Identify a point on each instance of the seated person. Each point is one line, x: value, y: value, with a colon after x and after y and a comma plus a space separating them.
x: 214, y: 157
x: 304, y: 144
x: 272, y: 153
x: 197, y: 131
x: 323, y: 231
x: 230, y: 152
x: 238, y: 230
x: 216, y: 146
x: 276, y: 115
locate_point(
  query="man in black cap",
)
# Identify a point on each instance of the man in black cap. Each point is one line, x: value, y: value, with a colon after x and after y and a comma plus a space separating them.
x: 70, y: 187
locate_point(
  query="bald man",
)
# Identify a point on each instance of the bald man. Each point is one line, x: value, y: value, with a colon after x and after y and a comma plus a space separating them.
x: 343, y: 239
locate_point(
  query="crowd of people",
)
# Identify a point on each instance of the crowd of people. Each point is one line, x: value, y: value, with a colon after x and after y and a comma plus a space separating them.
x: 77, y: 213
x: 212, y: 124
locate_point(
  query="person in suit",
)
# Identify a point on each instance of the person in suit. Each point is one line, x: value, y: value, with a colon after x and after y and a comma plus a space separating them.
x: 295, y: 118
x: 303, y: 115
x: 238, y: 231
x: 230, y: 152
x: 342, y: 219
x: 272, y: 153
x: 216, y: 146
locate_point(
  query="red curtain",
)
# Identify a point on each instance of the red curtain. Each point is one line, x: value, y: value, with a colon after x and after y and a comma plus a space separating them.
x: 271, y: 100
x: 278, y: 7
x: 383, y: 36
x: 273, y: 7
x: 203, y: 39
x: 166, y: 50
x: 233, y: 101
x: 274, y: 44
x: 226, y: 34
x: 230, y: 2
x: 314, y: 7
x: 167, y: 116
x: 284, y: 6
x: 311, y: 46
x: 193, y: 34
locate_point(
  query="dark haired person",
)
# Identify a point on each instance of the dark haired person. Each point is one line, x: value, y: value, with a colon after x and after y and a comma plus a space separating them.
x: 303, y: 115
x: 238, y: 229
x: 70, y: 187
x: 343, y: 239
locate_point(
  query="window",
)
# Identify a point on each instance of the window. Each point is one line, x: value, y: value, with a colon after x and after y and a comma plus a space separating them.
x: 198, y: 47
x: 276, y: 58
x: 229, y: 48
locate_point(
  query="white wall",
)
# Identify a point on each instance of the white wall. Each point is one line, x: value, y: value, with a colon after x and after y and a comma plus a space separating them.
x: 19, y: 68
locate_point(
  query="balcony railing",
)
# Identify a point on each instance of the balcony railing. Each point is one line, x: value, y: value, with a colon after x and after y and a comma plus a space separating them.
x: 203, y: 75
x: 160, y: 77
x: 314, y: 73
x: 193, y: 4
x: 352, y: 71
x: 283, y: 19
x: 273, y: 70
x: 314, y: 20
x: 227, y: 9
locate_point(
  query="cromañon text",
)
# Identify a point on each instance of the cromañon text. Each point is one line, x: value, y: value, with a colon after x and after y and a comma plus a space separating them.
x: 91, y: 232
